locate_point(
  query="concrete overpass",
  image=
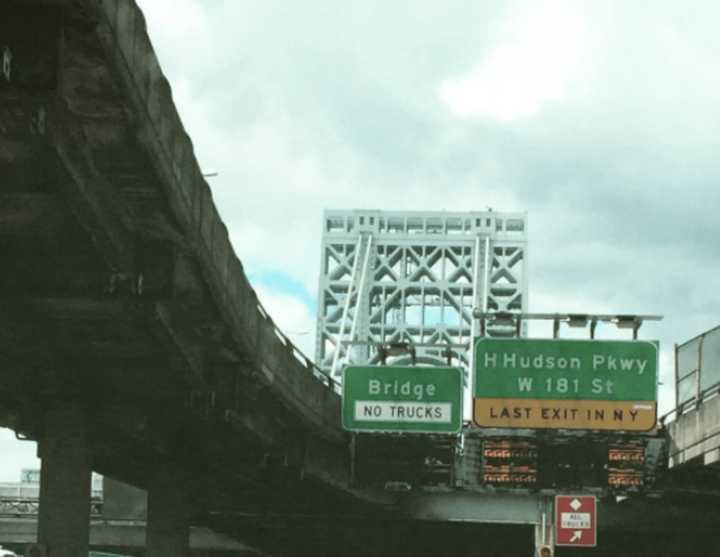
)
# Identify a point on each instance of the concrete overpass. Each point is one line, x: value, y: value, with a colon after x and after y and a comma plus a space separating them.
x: 676, y: 524
x: 130, y: 340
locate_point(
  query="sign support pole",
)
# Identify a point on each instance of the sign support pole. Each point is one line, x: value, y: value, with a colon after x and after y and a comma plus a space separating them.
x: 353, y: 455
x: 545, y: 530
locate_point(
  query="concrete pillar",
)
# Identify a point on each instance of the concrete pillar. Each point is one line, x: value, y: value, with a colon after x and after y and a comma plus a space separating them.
x: 168, y: 517
x: 64, y: 514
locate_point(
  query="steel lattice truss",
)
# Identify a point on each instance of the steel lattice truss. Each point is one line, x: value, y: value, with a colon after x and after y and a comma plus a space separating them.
x: 391, y: 277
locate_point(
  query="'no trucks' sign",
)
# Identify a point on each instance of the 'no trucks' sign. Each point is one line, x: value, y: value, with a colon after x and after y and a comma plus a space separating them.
x: 402, y: 399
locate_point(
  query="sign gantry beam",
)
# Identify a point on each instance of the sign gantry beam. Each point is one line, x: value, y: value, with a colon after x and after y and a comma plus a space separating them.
x: 575, y: 320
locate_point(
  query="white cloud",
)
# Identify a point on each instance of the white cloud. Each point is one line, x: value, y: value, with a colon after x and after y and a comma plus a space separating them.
x: 180, y: 19
x: 292, y: 317
x: 534, y: 65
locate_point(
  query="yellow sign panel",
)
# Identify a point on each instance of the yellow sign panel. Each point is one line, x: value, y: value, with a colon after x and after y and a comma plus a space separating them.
x: 564, y: 414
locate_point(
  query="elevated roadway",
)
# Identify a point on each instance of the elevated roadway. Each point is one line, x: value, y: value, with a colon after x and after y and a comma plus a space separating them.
x: 121, y: 294
x: 131, y: 342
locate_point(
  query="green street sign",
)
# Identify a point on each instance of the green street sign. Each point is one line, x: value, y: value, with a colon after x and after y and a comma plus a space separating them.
x: 566, y: 369
x: 565, y: 383
x: 402, y: 399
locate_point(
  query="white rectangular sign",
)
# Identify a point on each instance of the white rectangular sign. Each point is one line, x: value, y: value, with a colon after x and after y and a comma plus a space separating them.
x: 405, y: 411
x: 579, y: 521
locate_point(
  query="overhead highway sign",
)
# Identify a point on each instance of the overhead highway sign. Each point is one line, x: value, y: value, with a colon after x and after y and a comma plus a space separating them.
x: 565, y: 384
x: 402, y: 399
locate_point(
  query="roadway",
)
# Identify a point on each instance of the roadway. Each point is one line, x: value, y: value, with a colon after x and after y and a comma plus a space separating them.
x: 125, y: 537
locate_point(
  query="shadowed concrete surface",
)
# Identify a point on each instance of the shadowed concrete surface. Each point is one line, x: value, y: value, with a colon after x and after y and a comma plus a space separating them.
x: 695, y: 435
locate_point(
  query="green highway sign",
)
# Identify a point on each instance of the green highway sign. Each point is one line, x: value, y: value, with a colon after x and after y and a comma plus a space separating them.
x: 566, y: 369
x: 402, y: 399
x: 565, y: 383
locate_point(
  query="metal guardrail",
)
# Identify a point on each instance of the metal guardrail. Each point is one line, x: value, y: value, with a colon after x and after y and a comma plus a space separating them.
x: 21, y: 490
x: 691, y: 446
x: 690, y: 405
x: 298, y: 354
x: 20, y: 507
x: 697, y: 372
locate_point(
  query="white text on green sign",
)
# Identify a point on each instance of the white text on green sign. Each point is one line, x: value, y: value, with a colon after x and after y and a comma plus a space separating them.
x: 402, y: 399
x: 566, y: 369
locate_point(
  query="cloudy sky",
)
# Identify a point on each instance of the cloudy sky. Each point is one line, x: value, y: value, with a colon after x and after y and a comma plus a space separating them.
x: 600, y: 119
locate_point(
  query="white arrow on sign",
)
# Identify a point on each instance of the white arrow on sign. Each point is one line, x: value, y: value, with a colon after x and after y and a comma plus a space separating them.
x: 577, y: 535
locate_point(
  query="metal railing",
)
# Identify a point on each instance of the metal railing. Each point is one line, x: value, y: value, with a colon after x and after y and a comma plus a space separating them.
x: 21, y: 507
x: 298, y: 354
x: 697, y: 372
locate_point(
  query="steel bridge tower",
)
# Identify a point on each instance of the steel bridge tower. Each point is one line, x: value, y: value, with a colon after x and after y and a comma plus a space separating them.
x: 413, y: 278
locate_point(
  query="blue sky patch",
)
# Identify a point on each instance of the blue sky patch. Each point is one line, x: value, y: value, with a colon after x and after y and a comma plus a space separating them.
x: 283, y: 283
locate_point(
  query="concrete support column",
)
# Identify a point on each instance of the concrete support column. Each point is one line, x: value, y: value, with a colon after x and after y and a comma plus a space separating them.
x: 168, y: 517
x: 64, y: 514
